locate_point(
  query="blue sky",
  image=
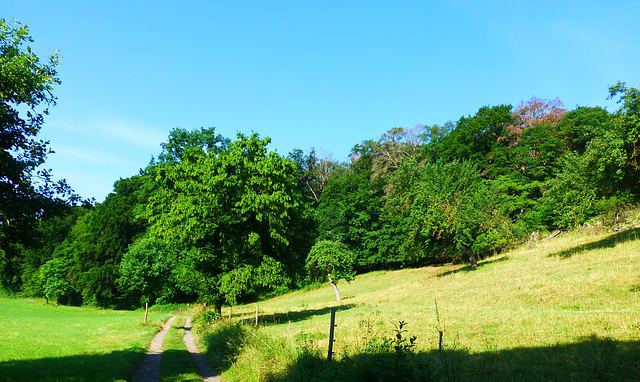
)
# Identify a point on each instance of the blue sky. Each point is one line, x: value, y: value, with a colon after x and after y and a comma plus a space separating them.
x: 323, y: 74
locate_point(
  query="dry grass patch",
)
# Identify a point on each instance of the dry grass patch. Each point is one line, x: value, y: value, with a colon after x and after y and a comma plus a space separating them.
x: 577, y: 287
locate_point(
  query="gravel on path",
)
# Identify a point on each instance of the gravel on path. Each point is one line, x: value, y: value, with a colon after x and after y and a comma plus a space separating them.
x: 204, y: 369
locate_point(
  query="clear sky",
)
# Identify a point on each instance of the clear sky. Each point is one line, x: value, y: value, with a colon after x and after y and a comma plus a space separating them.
x: 324, y: 74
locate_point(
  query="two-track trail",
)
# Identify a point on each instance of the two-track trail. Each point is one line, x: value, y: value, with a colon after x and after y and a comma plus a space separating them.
x: 149, y: 370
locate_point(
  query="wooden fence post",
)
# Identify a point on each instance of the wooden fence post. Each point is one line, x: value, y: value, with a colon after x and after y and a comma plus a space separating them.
x: 331, y: 329
x: 440, y: 347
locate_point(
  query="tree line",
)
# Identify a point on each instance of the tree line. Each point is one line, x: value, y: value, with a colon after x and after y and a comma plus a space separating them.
x: 223, y: 220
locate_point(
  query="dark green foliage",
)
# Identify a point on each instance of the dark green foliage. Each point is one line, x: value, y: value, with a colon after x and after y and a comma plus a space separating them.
x: 147, y: 267
x: 481, y: 138
x: 237, y: 211
x: 352, y: 211
x: 51, y: 232
x: 27, y: 191
x: 579, y: 126
x: 331, y: 260
x: 100, y: 238
x: 448, y: 212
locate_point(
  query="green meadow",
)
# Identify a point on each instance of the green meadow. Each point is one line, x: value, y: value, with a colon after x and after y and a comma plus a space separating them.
x: 43, y: 342
x: 566, y: 309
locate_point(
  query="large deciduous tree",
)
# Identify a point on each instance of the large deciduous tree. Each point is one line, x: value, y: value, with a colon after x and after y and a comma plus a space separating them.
x: 53, y: 280
x: 147, y: 268
x: 235, y: 213
x: 448, y: 213
x: 26, y: 85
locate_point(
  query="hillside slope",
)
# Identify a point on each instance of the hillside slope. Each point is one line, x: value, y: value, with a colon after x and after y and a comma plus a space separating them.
x: 577, y: 288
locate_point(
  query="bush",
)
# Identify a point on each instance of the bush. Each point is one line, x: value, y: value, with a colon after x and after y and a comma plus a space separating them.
x: 205, y: 319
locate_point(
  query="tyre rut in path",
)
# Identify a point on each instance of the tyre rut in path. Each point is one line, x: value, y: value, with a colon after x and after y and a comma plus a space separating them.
x: 204, y: 369
x: 149, y: 370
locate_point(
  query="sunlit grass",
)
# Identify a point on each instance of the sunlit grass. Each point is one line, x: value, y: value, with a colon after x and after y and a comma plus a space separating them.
x: 47, y: 342
x: 561, y: 291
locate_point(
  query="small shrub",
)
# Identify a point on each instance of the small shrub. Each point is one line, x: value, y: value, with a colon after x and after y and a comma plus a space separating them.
x: 401, y: 343
x: 205, y: 318
x: 373, y: 343
x: 172, y: 307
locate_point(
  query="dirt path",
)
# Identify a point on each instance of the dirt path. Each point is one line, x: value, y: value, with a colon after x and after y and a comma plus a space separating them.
x: 204, y: 369
x: 149, y: 371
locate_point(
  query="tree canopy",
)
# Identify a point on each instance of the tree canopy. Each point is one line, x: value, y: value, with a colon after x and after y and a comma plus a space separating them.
x: 28, y: 191
x: 333, y: 261
x: 238, y: 212
x: 226, y: 221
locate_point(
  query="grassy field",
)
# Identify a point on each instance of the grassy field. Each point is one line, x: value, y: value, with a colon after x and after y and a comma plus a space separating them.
x: 57, y: 343
x: 566, y: 309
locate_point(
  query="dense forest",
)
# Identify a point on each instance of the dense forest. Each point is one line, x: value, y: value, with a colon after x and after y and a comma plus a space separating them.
x: 224, y: 220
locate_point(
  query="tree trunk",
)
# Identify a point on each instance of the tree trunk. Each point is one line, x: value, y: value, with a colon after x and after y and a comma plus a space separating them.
x: 472, y: 258
x: 335, y: 289
x: 146, y: 311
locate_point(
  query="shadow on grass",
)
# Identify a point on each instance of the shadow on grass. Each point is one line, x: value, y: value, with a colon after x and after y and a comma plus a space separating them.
x: 300, y: 315
x: 117, y: 365
x: 223, y: 346
x: 590, y: 359
x: 607, y: 242
x: 178, y: 365
x: 293, y: 316
x: 468, y: 268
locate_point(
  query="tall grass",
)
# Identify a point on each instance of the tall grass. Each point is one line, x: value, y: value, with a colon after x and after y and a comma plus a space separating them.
x: 568, y: 308
x: 57, y: 343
